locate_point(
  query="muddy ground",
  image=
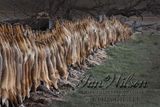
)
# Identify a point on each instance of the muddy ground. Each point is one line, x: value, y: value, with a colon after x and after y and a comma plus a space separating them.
x: 139, y: 56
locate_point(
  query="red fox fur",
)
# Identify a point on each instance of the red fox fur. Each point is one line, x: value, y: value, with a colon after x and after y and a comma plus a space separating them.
x: 28, y: 57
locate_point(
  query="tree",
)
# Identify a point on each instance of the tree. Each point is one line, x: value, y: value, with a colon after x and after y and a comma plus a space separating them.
x: 66, y: 8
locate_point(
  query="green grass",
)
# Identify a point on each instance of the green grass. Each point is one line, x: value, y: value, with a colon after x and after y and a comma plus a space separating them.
x: 141, y: 56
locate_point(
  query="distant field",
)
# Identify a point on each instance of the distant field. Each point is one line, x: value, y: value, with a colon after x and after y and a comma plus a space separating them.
x: 140, y: 56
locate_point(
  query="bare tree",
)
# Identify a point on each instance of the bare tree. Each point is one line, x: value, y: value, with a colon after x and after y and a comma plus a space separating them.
x: 52, y: 9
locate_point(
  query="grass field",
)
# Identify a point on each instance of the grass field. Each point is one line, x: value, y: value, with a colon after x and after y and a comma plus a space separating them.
x: 140, y: 56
